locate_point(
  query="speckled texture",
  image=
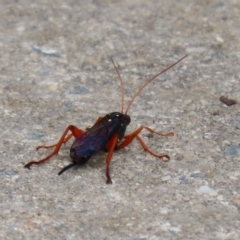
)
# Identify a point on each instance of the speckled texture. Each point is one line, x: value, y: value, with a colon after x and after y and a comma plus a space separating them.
x: 55, y: 70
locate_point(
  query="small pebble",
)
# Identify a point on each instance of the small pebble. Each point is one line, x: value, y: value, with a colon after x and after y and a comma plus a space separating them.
x: 205, y: 190
x: 53, y: 87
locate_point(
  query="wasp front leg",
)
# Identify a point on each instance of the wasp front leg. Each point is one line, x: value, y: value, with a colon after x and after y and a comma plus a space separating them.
x: 111, y: 147
x: 129, y: 138
x: 65, y: 137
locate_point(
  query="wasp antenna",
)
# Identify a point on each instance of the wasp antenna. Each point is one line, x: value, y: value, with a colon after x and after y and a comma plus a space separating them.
x: 122, y: 85
x: 150, y: 80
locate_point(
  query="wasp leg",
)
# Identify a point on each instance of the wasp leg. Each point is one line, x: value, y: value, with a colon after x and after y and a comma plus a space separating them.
x: 75, y: 132
x: 164, y: 157
x: 98, y: 120
x: 111, y: 146
x: 129, y: 138
x: 54, y: 145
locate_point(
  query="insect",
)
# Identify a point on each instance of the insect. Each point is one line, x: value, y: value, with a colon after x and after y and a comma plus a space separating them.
x: 108, y: 134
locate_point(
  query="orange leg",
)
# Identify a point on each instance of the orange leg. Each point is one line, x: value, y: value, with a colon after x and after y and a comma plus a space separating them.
x: 145, y: 148
x: 54, y: 145
x: 75, y: 132
x: 98, y: 120
x: 129, y: 138
x: 111, y: 147
x: 69, y: 136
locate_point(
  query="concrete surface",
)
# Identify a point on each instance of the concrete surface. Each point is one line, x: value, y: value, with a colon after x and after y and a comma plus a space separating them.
x: 56, y: 70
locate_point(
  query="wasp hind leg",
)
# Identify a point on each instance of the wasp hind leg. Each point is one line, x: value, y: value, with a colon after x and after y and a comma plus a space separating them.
x: 74, y: 132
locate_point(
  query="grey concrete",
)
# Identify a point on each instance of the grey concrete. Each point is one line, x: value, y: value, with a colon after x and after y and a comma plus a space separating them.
x: 55, y: 70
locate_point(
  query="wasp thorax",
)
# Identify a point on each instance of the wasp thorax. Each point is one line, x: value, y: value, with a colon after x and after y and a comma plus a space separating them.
x: 123, y: 118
